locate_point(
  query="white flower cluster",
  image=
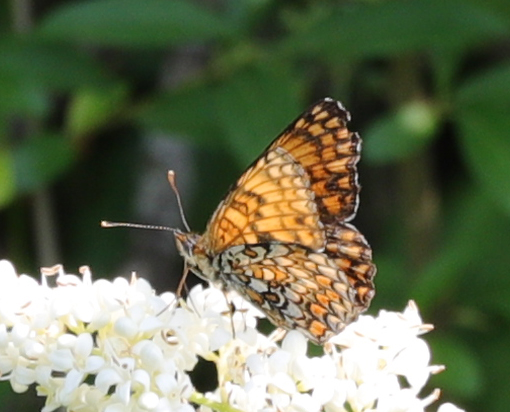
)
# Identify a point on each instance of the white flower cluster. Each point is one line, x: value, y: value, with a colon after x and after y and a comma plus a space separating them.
x: 116, y: 346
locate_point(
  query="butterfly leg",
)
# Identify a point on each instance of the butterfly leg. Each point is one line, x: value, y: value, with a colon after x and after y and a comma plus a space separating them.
x: 231, y: 311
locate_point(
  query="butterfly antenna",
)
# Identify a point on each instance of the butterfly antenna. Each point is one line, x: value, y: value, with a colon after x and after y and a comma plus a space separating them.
x: 107, y: 224
x: 171, y: 180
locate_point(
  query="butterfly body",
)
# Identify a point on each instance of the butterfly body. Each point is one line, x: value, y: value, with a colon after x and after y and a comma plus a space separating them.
x: 280, y: 238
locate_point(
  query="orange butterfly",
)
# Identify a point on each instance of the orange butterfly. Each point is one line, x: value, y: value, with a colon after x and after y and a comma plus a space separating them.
x: 280, y: 238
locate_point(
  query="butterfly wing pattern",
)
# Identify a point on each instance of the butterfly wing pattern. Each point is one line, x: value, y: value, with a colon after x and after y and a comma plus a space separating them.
x: 280, y: 238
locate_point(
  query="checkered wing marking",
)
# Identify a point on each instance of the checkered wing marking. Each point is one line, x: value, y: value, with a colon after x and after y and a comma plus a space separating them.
x: 271, y: 202
x: 295, y: 287
x: 320, y: 141
x: 353, y: 256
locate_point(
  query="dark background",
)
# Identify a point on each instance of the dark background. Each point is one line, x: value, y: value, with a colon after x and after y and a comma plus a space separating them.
x: 98, y: 99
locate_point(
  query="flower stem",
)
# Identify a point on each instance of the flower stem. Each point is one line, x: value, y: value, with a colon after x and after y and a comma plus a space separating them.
x: 200, y: 399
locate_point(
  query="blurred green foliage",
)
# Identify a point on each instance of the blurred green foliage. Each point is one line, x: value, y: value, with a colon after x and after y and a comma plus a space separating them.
x: 427, y: 83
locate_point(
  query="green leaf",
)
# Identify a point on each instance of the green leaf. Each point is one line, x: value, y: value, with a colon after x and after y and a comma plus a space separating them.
x: 22, y: 98
x: 463, y: 375
x: 246, y: 111
x: 471, y: 224
x: 134, y: 23
x: 493, y: 350
x: 402, y: 134
x: 391, y: 271
x: 188, y: 111
x: 39, y: 160
x: 7, y: 186
x: 369, y: 29
x: 254, y: 106
x: 482, y: 109
x: 501, y: 7
x: 29, y: 70
x: 92, y: 108
x: 31, y: 65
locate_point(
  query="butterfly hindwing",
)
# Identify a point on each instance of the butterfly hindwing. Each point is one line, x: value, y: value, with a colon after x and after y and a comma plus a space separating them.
x: 353, y: 256
x: 296, y: 288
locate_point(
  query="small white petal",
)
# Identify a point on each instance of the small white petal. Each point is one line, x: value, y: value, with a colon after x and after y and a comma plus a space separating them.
x: 123, y: 392
x: 83, y: 345
x: 255, y: 364
x: 100, y: 320
x: 166, y: 382
x: 43, y: 374
x: 449, y: 407
x: 281, y: 401
x: 168, y: 366
x: 115, y: 407
x: 142, y: 378
x: 295, y: 343
x: 249, y: 335
x: 23, y: 376
x: 18, y: 387
x: 283, y: 382
x: 279, y: 361
x: 304, y: 403
x: 127, y: 363
x: 137, y: 313
x: 4, y: 336
x: 67, y: 341
x: 84, y: 311
x: 144, y: 287
x: 148, y: 400
x: 303, y: 371
x: 33, y: 349
x: 107, y: 378
x: 120, y: 285
x: 412, y: 314
x: 366, y: 395
x: 151, y: 356
x: 60, y: 307
x: 7, y: 272
x: 107, y: 294
x: 126, y: 327
x: 404, y: 401
x: 6, y: 365
x: 93, y: 364
x: 219, y: 338
x: 323, y: 391
x: 182, y: 408
x: 19, y: 333
x: 150, y: 324
x: 62, y: 359
x: 412, y: 362
x: 93, y: 397
x: 71, y: 382
x: 339, y: 398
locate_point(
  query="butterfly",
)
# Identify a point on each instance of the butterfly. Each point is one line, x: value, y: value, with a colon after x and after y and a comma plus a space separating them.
x: 281, y: 238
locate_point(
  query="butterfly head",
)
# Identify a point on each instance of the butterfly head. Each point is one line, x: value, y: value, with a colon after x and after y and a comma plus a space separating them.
x: 190, y: 247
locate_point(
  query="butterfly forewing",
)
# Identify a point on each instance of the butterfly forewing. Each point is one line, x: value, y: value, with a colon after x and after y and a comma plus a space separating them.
x: 320, y: 141
x: 271, y: 202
